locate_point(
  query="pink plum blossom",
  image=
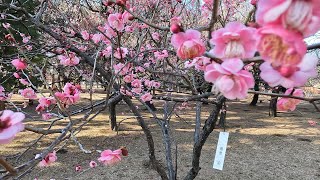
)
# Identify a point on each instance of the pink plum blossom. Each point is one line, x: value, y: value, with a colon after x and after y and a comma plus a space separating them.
x: 289, y: 76
x: 129, y: 78
x: 46, y: 116
x: 100, y: 28
x: 121, y: 68
x: 200, y: 63
x: 137, y: 90
x: 146, y: 65
x: 96, y: 38
x: 16, y: 75
x: 156, y: 84
x: 40, y: 108
x: 129, y: 29
x: 26, y: 39
x: 281, y: 47
x: 125, y: 92
x: 116, y: 21
x: 107, y: 52
x: 295, y: 15
x: 109, y: 31
x: 147, y: 83
x: 48, y: 160
x: 78, y: 168
x: 19, y: 64
x: 152, y: 83
x: 6, y: 25
x: 146, y: 97
x: 229, y: 78
x: 234, y: 41
x: 143, y: 26
x: 72, y: 32
x: 136, y: 83
x: 249, y: 66
x: 70, y: 94
x: 93, y: 164
x: 188, y: 64
x: 24, y: 81
x: 285, y: 104
x: 109, y: 157
x: 254, y: 2
x: 139, y: 69
x: 28, y: 93
x: 188, y: 44
x: 126, y: 16
x: 161, y: 54
x: 85, y: 35
x: 45, y: 102
x: 2, y: 94
x: 69, y: 60
x: 312, y: 123
x: 82, y: 48
x: 121, y: 53
x: 155, y: 36
x: 10, y: 125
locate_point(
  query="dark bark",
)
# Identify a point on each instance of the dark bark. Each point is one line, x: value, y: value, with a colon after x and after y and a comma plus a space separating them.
x: 198, y: 122
x: 273, y: 106
x: 113, y: 115
x: 254, y: 100
x: 30, y: 102
x: 167, y: 142
x: 274, y: 100
x: 149, y: 137
x: 256, y: 72
x: 223, y: 115
x: 206, y: 131
x: 151, y: 106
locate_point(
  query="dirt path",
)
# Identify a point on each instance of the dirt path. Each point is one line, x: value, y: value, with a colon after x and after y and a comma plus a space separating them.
x: 259, y: 147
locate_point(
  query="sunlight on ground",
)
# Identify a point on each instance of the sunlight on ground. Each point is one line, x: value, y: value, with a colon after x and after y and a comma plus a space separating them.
x: 249, y: 127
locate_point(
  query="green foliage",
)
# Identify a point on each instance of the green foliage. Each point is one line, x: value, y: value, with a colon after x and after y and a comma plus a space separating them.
x: 8, y: 52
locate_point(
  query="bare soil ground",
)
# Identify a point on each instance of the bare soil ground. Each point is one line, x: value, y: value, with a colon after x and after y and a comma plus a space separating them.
x: 260, y: 147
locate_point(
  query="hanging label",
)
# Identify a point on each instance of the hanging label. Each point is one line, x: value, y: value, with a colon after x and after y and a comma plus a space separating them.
x: 221, y: 151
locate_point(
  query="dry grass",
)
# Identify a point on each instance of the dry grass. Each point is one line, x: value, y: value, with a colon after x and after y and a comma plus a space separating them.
x: 259, y: 147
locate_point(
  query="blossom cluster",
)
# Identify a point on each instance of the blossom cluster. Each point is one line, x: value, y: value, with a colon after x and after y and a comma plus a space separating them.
x: 282, y: 26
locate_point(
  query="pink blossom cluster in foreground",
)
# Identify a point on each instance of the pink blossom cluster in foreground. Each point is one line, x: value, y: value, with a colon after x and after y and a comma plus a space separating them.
x: 284, y: 25
x: 19, y: 64
x: 230, y: 79
x: 10, y: 125
x: 189, y: 44
x: 231, y: 44
x: 70, y: 94
x: 279, y: 40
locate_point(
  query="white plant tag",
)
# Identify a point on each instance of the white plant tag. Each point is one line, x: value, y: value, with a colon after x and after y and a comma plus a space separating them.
x: 221, y: 151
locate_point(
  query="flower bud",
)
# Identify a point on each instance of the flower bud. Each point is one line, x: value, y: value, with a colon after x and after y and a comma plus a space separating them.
x: 175, y: 28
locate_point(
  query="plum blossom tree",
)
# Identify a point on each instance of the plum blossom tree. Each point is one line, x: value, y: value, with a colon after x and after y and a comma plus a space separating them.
x: 135, y: 48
